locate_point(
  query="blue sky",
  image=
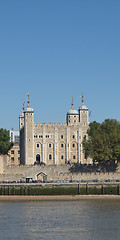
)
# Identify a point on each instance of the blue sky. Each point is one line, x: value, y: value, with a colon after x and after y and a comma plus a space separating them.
x: 55, y: 49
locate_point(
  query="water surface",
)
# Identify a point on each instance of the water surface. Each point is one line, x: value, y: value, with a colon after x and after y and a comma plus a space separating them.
x: 66, y: 220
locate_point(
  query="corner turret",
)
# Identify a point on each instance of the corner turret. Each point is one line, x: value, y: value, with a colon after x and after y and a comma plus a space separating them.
x: 83, y: 112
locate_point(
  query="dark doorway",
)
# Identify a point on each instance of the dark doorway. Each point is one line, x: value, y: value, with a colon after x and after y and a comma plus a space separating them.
x: 38, y: 158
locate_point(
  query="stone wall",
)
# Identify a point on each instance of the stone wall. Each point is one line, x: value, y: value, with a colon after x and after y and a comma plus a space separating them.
x: 15, y: 173
x: 54, y: 173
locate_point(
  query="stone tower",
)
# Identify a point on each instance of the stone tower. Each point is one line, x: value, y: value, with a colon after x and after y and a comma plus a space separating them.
x: 29, y: 134
x: 83, y: 113
x: 22, y: 139
x: 26, y: 125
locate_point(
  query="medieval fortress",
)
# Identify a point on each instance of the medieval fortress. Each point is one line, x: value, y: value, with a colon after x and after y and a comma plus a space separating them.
x: 53, y: 144
x: 51, y: 150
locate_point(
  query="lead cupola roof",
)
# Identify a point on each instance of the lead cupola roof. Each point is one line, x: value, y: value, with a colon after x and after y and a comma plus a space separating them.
x: 72, y: 110
x: 83, y: 107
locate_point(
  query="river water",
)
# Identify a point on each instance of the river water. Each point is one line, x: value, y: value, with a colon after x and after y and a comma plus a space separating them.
x: 60, y: 220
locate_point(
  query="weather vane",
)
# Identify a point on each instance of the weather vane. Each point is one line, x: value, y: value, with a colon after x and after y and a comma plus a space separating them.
x: 23, y: 105
x: 82, y: 97
x: 72, y: 101
x: 28, y: 99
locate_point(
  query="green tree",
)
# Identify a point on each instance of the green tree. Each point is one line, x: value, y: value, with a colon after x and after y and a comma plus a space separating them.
x: 103, y: 144
x: 4, y: 141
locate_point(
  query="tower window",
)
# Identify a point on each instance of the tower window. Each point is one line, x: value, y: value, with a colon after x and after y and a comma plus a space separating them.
x: 73, y: 145
x: 50, y: 157
x: 73, y: 156
x: 62, y: 136
x: 37, y: 145
x: 74, y: 116
x: 69, y: 120
x: 62, y: 157
x: 49, y: 145
x: 62, y: 145
x: 74, y: 120
x: 73, y: 136
x: 12, y: 151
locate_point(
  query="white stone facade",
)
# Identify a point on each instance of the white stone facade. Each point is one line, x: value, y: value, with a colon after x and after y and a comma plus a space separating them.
x: 53, y: 144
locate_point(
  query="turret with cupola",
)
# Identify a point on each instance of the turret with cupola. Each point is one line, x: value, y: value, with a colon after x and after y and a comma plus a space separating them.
x: 83, y: 113
x: 26, y: 124
x: 72, y: 116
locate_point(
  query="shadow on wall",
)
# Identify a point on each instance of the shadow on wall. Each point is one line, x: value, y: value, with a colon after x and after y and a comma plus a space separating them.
x: 93, y: 168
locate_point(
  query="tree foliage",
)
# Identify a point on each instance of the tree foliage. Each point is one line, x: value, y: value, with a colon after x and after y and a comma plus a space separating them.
x: 103, y: 144
x: 4, y: 141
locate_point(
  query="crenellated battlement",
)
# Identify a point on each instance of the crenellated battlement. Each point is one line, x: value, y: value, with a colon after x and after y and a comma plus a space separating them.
x: 49, y: 124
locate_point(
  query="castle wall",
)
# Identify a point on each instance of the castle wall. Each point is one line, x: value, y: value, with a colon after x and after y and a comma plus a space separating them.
x: 4, y: 159
x: 15, y: 173
x: 62, y: 142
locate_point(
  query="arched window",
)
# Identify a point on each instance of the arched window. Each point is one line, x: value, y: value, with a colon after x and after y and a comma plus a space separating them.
x: 73, y: 145
x: 50, y: 156
x: 37, y: 145
x: 62, y: 157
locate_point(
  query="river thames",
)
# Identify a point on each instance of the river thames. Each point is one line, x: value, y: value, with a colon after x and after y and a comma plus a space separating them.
x: 82, y: 219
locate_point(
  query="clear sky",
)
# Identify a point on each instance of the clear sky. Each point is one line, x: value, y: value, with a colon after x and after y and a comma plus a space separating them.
x: 55, y: 49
